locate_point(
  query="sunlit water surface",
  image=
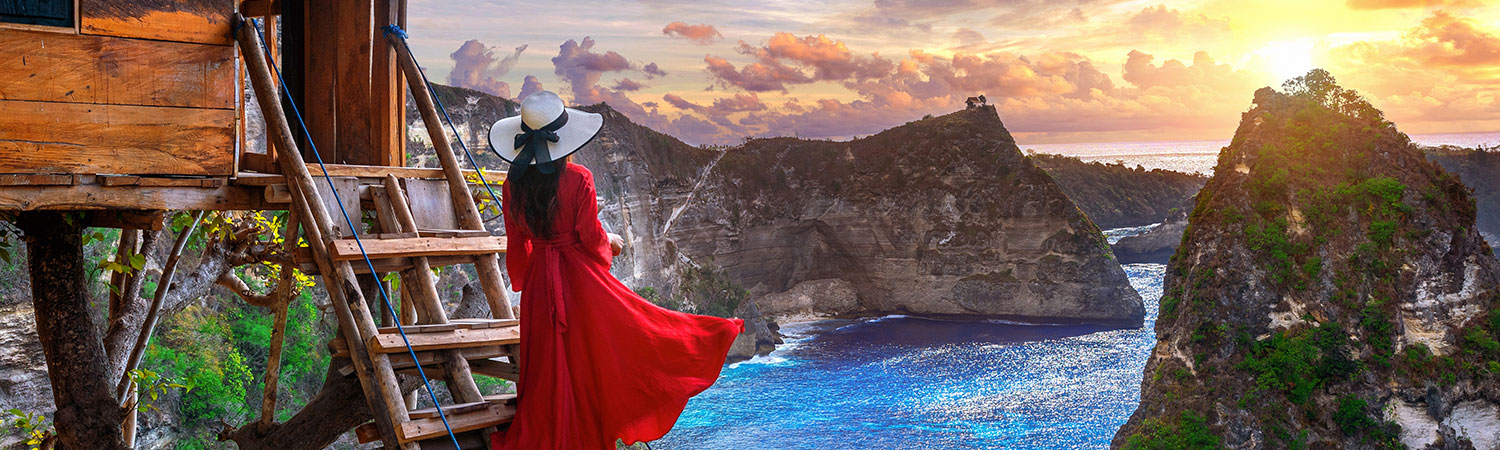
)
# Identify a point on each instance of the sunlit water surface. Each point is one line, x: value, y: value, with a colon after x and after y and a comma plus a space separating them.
x: 911, y: 383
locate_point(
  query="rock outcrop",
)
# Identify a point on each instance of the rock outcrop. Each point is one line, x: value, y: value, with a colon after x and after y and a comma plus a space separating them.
x: 1479, y: 169
x: 1330, y: 292
x: 1155, y: 245
x: 942, y: 216
x: 1116, y: 196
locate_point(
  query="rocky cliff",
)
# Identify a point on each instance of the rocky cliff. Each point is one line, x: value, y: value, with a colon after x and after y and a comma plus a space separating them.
x: 1116, y: 196
x: 1330, y: 292
x: 939, y: 216
x: 1479, y: 169
x: 1155, y: 245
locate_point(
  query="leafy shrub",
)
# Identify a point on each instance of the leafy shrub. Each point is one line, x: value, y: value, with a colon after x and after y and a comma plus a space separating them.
x: 1189, y: 431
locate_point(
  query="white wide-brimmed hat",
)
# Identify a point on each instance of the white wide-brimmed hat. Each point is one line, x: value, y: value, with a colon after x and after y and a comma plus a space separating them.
x: 544, y: 132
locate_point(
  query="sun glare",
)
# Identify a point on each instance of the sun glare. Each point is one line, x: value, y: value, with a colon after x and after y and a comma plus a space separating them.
x: 1287, y: 59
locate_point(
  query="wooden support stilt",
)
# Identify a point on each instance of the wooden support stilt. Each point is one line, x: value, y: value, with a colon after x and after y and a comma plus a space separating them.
x: 284, y: 289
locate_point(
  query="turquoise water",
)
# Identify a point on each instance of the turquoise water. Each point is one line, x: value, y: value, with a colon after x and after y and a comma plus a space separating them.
x: 913, y: 383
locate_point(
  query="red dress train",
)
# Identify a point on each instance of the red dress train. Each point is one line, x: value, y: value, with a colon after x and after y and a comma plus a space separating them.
x: 598, y: 362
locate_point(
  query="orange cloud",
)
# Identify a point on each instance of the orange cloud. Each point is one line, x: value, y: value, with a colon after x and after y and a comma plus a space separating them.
x: 701, y: 34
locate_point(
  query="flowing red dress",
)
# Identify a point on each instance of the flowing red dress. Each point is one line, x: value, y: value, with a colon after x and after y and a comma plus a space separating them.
x: 597, y: 362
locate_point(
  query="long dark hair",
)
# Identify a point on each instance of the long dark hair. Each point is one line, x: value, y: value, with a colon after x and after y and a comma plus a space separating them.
x: 536, y: 197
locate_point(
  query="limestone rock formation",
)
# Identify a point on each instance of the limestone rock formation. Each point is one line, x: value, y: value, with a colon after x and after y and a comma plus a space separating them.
x: 941, y: 216
x: 1117, y: 196
x: 1331, y: 292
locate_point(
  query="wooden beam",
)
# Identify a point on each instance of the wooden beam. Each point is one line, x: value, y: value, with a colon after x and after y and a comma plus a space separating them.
x: 304, y: 263
x: 349, y: 250
x: 128, y: 219
x: 133, y: 180
x: 38, y: 180
x: 202, y: 21
x: 49, y: 137
x: 319, y: 82
x: 94, y: 197
x: 493, y: 414
x: 50, y: 67
x: 260, y: 8
x: 388, y: 97
x: 455, y: 339
x: 352, y: 81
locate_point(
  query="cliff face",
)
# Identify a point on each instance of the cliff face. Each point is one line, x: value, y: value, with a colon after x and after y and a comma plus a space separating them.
x: 1116, y: 196
x: 940, y: 216
x: 1479, y: 169
x: 1330, y: 292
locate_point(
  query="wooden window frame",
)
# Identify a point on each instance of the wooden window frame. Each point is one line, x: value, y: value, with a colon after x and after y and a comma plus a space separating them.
x: 73, y: 29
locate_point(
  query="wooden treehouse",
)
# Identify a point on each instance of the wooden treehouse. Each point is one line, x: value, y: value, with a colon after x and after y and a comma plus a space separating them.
x: 131, y: 108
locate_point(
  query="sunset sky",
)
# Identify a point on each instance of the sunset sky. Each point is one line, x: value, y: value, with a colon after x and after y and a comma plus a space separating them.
x: 714, y: 71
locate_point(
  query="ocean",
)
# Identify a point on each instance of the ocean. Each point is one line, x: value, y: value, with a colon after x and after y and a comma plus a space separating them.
x: 1200, y: 156
x: 915, y: 383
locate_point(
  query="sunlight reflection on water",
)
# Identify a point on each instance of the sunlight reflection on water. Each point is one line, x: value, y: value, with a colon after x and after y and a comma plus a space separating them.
x: 913, y: 383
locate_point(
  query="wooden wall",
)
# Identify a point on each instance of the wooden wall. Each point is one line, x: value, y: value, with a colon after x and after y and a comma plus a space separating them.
x: 138, y: 87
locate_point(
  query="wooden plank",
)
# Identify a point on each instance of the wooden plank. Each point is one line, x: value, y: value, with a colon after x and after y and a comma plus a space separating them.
x: 94, y: 197
x: 461, y: 338
x: 257, y: 179
x: 487, y: 323
x: 493, y: 414
x: 39, y: 66
x: 461, y: 408
x: 387, y: 91
x: 348, y: 194
x: 452, y: 233
x: 127, y: 219
x: 403, y: 361
x: 367, y: 171
x: 260, y: 8
x: 496, y: 369
x: 202, y: 21
x: 133, y: 180
x: 348, y: 250
x: 36, y: 180
x: 320, y: 62
x: 428, y: 328
x: 352, y: 109
x: 430, y: 204
x: 367, y: 433
x: 47, y: 137
x: 306, y: 265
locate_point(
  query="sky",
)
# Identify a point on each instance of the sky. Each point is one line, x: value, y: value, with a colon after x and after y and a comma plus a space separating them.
x: 718, y: 71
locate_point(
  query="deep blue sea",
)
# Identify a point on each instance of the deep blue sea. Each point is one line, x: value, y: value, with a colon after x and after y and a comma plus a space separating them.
x: 912, y: 383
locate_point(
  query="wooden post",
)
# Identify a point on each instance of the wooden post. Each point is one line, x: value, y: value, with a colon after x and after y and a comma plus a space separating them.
x: 388, y: 99
x: 352, y: 82
x: 319, y: 82
x: 284, y: 289
x: 376, y: 377
x: 488, y: 266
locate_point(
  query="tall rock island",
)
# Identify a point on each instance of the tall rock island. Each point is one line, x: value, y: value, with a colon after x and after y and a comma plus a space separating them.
x: 1331, y: 291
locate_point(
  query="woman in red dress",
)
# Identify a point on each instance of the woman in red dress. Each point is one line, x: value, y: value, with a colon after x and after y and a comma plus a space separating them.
x: 597, y: 362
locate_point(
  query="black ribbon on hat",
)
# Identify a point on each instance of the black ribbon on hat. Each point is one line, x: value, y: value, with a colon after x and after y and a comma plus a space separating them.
x: 533, y: 143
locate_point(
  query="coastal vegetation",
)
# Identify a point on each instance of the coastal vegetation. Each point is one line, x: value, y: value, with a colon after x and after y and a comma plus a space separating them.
x: 1115, y: 195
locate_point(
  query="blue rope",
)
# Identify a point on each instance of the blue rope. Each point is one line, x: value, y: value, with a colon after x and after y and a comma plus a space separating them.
x: 396, y: 30
x: 383, y: 297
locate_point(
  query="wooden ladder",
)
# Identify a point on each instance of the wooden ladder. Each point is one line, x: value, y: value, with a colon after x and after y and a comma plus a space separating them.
x: 447, y: 350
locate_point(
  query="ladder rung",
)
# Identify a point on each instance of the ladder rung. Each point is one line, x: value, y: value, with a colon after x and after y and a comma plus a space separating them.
x: 348, y: 249
x: 401, y: 361
x: 486, y: 323
x: 490, y: 415
x: 493, y: 368
x: 453, y: 325
x: 306, y: 265
x: 460, y: 338
x: 453, y: 233
x: 432, y: 413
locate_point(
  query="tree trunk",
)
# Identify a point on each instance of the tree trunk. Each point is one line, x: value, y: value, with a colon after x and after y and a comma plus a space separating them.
x: 87, y: 415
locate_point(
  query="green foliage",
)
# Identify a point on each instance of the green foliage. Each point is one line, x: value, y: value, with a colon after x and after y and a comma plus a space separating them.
x: 1354, y: 417
x: 1298, y: 364
x: 151, y: 386
x: 1188, y: 431
x: 1381, y: 232
x: 34, y: 427
x: 708, y: 292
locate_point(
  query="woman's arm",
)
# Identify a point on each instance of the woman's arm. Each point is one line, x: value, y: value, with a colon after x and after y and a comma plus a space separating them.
x: 590, y: 231
x: 517, y: 243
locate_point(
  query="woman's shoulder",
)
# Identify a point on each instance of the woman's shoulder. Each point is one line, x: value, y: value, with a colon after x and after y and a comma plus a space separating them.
x: 579, y: 173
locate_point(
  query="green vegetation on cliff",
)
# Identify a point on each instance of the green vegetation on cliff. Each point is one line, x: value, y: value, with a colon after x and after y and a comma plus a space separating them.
x: 1325, y: 267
